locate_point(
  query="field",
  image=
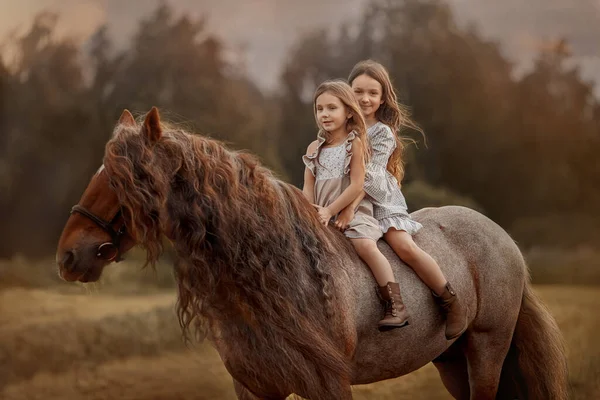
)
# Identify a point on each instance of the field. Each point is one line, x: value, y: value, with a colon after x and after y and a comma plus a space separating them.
x: 123, y: 342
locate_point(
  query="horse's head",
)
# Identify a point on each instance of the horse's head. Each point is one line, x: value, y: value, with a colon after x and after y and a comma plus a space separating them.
x: 95, y: 233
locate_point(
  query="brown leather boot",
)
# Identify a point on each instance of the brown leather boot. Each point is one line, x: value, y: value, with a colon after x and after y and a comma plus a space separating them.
x: 456, y: 318
x: 396, y: 315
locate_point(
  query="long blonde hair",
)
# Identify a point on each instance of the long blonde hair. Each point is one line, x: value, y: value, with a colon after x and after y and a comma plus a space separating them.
x: 391, y: 113
x: 356, y: 122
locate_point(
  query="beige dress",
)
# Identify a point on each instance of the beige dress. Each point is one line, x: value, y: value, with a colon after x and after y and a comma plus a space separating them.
x: 331, y: 169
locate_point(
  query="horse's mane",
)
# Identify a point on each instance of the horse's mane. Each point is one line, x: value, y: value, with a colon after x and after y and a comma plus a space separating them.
x: 251, y: 251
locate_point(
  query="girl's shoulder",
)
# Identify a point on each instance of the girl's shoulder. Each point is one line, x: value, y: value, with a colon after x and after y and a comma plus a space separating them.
x: 353, y: 145
x: 312, y: 147
x: 353, y: 138
x: 312, y: 151
x: 354, y: 141
x: 380, y: 129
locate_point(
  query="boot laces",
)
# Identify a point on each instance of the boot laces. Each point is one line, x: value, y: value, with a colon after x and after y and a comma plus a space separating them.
x: 391, y: 309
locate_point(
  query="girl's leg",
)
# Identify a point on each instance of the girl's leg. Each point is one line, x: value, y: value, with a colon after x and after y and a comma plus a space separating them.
x: 379, y: 265
x: 430, y: 273
x: 422, y: 263
x: 396, y: 315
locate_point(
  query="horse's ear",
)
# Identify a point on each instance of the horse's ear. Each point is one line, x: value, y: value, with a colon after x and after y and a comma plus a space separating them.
x: 152, y: 128
x: 127, y: 119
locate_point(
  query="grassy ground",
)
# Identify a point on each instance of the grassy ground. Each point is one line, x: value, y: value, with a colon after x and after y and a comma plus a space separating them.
x: 101, y: 345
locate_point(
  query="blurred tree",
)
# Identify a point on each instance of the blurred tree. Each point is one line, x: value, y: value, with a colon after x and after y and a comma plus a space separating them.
x: 5, y: 168
x: 44, y: 121
x: 559, y: 133
x: 178, y: 66
x: 65, y: 102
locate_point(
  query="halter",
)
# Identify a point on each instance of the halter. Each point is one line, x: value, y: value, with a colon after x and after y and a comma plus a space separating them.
x: 105, y: 249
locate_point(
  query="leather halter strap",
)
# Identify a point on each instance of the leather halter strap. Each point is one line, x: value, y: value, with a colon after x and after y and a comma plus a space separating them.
x: 106, y: 226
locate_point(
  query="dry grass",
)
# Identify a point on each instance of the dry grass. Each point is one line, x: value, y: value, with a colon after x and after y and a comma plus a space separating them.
x: 182, y: 375
x: 576, y: 311
x: 105, y: 346
x: 42, y: 331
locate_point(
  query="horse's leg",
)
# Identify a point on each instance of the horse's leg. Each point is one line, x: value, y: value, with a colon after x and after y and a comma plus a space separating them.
x: 346, y: 394
x: 452, y: 367
x: 486, y: 351
x: 244, y: 394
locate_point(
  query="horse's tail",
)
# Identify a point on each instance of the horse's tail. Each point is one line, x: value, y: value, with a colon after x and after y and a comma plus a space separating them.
x: 535, y: 367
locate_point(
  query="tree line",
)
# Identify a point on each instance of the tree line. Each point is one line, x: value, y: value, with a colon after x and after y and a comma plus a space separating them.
x: 522, y: 148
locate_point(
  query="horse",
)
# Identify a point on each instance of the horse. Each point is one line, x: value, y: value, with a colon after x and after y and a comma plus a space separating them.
x: 286, y: 301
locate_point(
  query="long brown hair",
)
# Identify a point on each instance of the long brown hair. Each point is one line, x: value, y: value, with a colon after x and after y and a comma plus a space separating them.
x: 252, y: 257
x: 356, y: 122
x: 391, y: 113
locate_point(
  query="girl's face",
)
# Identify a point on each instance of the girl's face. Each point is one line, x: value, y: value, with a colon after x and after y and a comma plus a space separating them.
x: 331, y: 112
x: 368, y: 92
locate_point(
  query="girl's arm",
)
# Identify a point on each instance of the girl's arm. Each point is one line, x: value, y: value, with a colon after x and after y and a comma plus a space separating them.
x: 347, y: 214
x: 383, y: 144
x: 357, y: 179
x: 309, y: 186
x: 309, y: 179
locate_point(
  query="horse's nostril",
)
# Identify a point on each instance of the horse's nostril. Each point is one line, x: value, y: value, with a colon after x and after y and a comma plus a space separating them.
x: 68, y: 260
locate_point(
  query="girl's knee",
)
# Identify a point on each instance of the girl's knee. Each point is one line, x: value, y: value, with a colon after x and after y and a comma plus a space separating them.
x: 403, y: 245
x: 364, y: 246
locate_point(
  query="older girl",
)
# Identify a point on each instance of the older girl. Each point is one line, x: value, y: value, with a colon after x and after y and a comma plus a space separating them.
x: 375, y: 94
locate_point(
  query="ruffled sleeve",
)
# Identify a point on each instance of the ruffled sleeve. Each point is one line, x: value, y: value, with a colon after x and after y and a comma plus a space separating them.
x: 383, y: 144
x: 348, y: 145
x: 310, y: 159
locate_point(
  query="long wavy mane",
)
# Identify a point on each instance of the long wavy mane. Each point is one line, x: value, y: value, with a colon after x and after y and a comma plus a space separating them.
x: 253, y: 260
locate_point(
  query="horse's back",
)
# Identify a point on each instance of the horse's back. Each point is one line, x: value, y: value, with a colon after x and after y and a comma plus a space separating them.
x: 473, y: 252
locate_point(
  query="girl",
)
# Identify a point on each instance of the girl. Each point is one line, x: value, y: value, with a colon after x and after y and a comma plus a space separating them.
x: 375, y: 94
x: 334, y: 176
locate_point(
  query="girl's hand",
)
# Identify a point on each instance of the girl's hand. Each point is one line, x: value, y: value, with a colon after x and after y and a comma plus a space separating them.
x: 318, y: 209
x: 324, y: 214
x: 343, y: 220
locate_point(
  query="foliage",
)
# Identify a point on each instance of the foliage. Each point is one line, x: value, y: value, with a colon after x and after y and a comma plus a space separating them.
x: 420, y: 194
x: 59, y: 105
x: 521, y: 148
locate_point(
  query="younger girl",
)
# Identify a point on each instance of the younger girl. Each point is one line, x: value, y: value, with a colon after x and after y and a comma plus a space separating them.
x: 334, y: 177
x: 375, y: 94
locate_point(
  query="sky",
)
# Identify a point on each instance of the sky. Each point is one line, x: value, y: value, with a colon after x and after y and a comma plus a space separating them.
x: 266, y: 28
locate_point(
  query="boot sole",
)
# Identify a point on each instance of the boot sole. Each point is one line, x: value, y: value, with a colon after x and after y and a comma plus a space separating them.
x: 385, y: 328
